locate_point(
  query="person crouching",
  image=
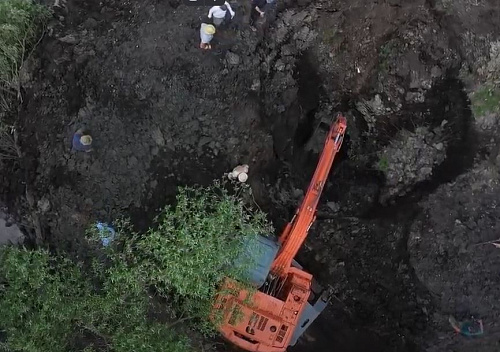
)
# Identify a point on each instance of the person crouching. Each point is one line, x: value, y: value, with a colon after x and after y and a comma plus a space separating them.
x: 207, y: 32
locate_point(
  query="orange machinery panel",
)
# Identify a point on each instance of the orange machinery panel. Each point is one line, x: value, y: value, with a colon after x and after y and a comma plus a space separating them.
x: 262, y: 323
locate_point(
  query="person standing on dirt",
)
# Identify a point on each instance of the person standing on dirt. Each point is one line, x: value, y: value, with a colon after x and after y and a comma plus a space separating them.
x: 82, y: 141
x: 218, y: 13
x: 256, y: 12
x: 207, y: 32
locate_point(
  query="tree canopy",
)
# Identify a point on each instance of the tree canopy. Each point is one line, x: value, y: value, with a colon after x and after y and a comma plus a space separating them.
x: 51, y: 303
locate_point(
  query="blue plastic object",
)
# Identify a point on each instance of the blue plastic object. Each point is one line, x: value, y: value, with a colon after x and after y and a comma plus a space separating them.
x: 106, y: 233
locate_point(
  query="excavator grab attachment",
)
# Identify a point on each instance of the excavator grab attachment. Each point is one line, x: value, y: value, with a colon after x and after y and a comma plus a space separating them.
x: 286, y: 303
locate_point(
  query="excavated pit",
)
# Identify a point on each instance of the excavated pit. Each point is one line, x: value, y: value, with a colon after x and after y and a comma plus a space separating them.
x: 118, y: 63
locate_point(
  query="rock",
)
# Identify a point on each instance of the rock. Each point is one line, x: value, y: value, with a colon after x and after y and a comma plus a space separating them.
x: 424, y: 172
x: 409, y: 159
x: 9, y: 233
x: 255, y: 85
x: 439, y: 146
x: 377, y: 104
x: 280, y: 65
x: 157, y: 136
x: 436, y: 72
x: 43, y: 205
x: 304, y: 37
x: 415, y: 97
x: 287, y: 50
x: 132, y: 161
x: 333, y: 206
x: 69, y: 39
x: 298, y: 193
x: 82, y: 59
x: 90, y: 23
x: 232, y: 58
x: 204, y: 140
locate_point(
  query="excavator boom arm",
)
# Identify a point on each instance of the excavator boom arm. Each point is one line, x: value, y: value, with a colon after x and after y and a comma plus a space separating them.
x: 297, y: 229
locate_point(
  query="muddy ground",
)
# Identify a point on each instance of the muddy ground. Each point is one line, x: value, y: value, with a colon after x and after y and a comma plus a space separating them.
x: 412, y: 196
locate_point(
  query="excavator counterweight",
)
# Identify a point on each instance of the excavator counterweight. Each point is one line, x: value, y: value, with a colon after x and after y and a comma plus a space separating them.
x: 286, y: 302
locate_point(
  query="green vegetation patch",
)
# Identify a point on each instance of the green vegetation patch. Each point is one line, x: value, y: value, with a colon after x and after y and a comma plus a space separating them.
x: 19, y: 22
x: 485, y: 100
x: 383, y: 164
x: 52, y: 304
x: 386, y: 52
x: 195, y: 244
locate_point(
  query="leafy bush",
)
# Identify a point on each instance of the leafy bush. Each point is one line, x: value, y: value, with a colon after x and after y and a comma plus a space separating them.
x: 49, y: 304
x: 194, y: 245
x: 485, y: 100
x: 383, y: 164
x: 19, y: 20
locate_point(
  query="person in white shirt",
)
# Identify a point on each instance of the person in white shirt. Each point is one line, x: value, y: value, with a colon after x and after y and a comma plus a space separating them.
x: 218, y: 13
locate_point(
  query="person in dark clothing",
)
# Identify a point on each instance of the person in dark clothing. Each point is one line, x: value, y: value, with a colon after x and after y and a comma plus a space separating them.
x: 256, y: 12
x: 82, y: 141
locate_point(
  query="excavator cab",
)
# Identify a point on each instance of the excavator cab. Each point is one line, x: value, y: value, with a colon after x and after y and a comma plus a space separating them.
x: 286, y: 299
x: 262, y: 251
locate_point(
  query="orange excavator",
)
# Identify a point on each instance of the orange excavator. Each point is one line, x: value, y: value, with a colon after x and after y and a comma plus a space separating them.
x: 286, y: 299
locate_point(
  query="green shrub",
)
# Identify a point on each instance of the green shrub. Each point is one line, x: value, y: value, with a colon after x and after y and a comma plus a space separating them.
x: 19, y: 21
x: 49, y: 304
x: 36, y: 300
x: 383, y: 163
x: 194, y: 246
x: 485, y: 100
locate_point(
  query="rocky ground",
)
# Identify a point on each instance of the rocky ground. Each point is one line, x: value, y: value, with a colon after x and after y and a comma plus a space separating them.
x: 408, y: 204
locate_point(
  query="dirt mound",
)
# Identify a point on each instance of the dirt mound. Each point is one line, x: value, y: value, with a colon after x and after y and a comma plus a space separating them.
x: 450, y: 256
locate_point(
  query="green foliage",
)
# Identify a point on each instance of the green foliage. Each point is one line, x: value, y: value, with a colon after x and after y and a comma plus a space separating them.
x: 37, y: 302
x: 48, y: 303
x: 386, y: 52
x: 195, y: 245
x: 383, y: 164
x: 19, y: 20
x: 485, y: 100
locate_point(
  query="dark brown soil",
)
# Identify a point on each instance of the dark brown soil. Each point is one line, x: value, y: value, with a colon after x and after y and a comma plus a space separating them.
x: 163, y: 113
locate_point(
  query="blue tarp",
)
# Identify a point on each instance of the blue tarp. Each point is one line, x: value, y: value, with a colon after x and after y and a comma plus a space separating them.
x: 106, y: 233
